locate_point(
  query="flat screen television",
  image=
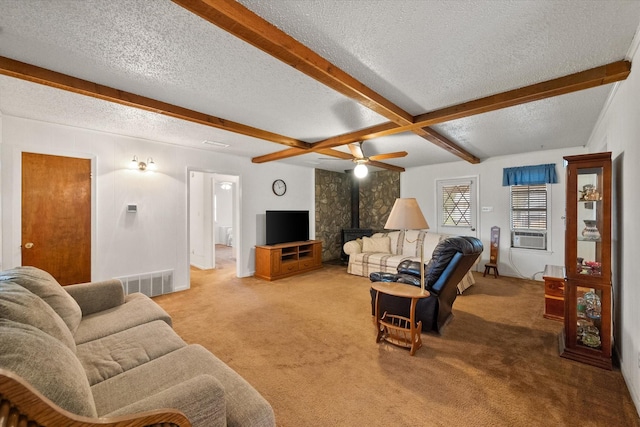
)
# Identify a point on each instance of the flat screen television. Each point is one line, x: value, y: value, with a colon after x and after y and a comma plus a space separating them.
x: 287, y: 226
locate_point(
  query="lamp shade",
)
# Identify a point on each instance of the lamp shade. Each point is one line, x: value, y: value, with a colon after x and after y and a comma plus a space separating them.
x: 406, y: 215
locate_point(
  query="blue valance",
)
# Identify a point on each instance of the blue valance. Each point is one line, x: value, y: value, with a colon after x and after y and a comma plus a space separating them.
x: 530, y: 175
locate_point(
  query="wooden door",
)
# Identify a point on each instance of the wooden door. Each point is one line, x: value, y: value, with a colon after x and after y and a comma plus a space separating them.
x: 56, y: 216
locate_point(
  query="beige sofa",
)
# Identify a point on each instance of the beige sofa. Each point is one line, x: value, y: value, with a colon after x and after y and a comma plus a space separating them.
x: 96, y: 352
x: 384, y: 251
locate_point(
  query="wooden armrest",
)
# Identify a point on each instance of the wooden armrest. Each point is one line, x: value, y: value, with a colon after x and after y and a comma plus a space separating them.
x: 22, y: 405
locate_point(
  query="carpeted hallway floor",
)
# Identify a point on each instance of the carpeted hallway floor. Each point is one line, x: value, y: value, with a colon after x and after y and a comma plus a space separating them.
x: 307, y: 344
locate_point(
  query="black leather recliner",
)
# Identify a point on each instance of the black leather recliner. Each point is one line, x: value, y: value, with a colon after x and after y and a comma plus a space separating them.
x: 451, y: 260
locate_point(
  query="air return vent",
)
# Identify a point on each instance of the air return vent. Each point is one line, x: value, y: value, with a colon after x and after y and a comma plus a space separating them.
x: 150, y: 284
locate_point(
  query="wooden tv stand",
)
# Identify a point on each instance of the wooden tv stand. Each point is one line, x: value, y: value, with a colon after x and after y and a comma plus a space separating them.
x: 287, y: 259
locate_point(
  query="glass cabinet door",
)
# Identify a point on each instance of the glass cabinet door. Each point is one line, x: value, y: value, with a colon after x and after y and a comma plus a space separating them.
x: 588, y: 233
x: 589, y: 222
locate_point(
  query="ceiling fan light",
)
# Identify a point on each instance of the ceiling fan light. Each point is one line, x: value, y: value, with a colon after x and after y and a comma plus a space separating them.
x: 360, y: 170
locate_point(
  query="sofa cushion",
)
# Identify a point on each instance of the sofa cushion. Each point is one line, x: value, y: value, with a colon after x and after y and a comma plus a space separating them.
x: 363, y: 263
x: 117, y: 353
x: 396, y: 238
x: 47, y: 287
x: 244, y: 405
x: 411, y: 242
x: 47, y: 364
x: 23, y: 306
x: 409, y: 267
x: 200, y: 398
x: 376, y: 244
x: 136, y: 310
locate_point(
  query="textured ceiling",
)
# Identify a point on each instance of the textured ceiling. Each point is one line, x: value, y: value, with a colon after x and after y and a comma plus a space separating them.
x: 421, y: 55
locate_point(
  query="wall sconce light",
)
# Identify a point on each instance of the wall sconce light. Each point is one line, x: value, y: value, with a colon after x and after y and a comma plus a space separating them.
x: 149, y: 165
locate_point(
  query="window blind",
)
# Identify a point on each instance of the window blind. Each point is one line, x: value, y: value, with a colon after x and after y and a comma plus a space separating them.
x: 529, y: 207
x: 456, y: 205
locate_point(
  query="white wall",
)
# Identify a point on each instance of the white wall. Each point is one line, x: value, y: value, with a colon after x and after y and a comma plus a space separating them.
x: 421, y: 184
x: 618, y: 131
x: 201, y: 220
x: 156, y: 237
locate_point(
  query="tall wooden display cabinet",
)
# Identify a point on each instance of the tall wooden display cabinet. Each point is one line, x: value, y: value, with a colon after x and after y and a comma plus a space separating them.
x: 587, y: 335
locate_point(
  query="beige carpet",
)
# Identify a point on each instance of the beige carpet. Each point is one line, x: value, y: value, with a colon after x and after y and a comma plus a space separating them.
x: 307, y: 344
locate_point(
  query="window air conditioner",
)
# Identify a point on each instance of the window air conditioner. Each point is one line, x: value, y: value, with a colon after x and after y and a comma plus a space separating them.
x: 529, y: 239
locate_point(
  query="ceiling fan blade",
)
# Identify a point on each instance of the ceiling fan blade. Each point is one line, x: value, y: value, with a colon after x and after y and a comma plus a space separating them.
x: 335, y: 153
x: 356, y: 150
x: 389, y: 155
x: 386, y: 166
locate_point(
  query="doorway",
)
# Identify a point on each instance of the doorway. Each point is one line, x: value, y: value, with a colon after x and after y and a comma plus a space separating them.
x: 213, y: 218
x: 56, y: 216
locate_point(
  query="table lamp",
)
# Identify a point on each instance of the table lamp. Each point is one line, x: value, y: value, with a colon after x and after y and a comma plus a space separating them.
x: 406, y: 215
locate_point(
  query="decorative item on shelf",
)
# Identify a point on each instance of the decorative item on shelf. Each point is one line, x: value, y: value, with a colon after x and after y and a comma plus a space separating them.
x: 595, y: 268
x: 593, y: 305
x: 582, y: 308
x: 586, y: 190
x: 590, y: 231
x: 591, y: 340
x: 589, y: 193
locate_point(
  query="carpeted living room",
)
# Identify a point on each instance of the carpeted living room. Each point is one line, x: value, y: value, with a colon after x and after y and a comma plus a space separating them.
x: 196, y: 203
x: 307, y: 343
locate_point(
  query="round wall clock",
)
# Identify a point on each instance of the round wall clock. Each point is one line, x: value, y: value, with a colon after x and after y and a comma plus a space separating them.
x: 279, y: 187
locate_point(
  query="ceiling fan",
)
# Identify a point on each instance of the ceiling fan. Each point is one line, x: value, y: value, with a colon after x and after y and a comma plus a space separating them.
x: 361, y: 160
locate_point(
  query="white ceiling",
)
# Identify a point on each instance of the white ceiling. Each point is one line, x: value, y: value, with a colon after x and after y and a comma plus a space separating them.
x: 421, y: 55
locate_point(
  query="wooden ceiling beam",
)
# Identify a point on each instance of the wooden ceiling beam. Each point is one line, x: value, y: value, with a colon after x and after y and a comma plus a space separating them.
x: 279, y: 155
x: 445, y: 143
x: 236, y: 19
x: 32, y: 73
x: 594, y: 77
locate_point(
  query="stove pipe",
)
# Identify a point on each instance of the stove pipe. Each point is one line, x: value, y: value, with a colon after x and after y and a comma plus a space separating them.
x: 355, y: 201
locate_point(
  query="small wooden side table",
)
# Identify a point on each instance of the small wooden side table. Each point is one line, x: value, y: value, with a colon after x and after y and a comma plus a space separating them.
x: 396, y: 329
x: 554, y: 279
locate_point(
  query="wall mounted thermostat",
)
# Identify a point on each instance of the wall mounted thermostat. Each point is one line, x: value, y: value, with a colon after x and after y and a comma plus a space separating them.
x: 132, y: 208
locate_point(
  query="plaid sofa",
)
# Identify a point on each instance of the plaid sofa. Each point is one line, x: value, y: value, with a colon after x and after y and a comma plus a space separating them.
x: 384, y: 251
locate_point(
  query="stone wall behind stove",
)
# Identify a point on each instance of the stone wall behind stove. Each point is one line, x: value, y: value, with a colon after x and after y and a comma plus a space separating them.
x: 377, y: 193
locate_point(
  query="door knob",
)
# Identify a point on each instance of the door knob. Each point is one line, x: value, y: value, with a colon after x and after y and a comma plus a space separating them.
x: 28, y: 245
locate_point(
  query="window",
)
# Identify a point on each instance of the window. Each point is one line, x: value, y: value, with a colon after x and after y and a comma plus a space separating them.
x: 456, y: 205
x: 529, y: 216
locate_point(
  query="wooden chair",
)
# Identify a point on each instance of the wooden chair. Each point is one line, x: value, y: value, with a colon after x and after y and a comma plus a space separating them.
x: 493, y: 253
x: 21, y: 405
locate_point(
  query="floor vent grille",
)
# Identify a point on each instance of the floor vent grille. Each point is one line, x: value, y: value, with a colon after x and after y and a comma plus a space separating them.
x: 150, y: 284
